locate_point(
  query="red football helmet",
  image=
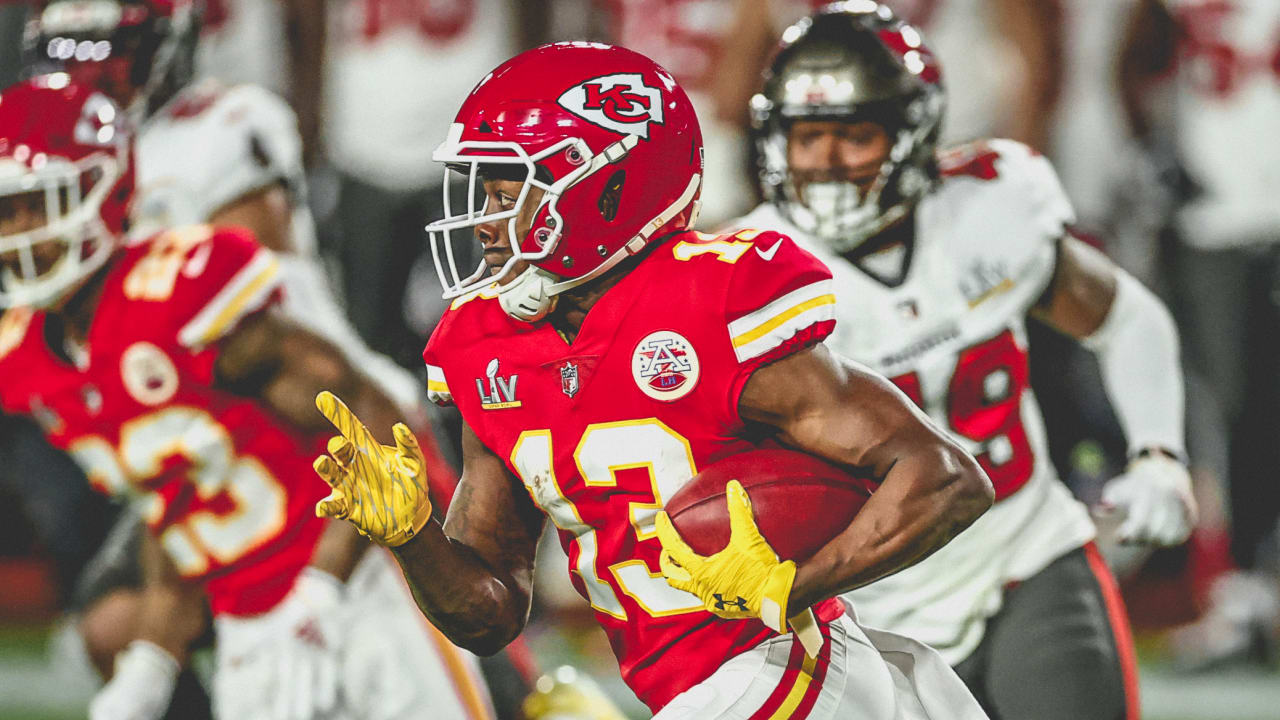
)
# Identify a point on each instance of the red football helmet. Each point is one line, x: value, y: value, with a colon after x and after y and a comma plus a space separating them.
x: 139, y: 52
x: 610, y: 139
x: 64, y: 148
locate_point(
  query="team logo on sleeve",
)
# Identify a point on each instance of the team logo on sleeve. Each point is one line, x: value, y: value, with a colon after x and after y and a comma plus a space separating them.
x: 620, y: 102
x: 148, y: 374
x: 665, y: 366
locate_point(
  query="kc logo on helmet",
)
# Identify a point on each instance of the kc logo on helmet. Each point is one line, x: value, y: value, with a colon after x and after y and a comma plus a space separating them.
x: 621, y: 103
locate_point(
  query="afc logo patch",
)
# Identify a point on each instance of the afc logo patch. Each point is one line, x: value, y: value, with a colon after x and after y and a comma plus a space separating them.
x: 665, y: 366
x: 620, y: 102
x: 148, y: 374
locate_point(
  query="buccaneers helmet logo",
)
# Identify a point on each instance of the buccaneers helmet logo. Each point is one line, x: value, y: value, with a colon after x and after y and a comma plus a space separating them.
x: 621, y: 103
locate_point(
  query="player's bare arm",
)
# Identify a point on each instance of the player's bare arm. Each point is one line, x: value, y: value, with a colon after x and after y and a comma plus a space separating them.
x: 307, y: 37
x: 170, y: 617
x: 267, y: 212
x: 172, y: 612
x: 286, y: 365
x: 473, y: 575
x: 931, y: 489
x: 1081, y: 292
x: 1033, y: 29
x: 749, y: 41
x: 1148, y: 50
x: 273, y: 358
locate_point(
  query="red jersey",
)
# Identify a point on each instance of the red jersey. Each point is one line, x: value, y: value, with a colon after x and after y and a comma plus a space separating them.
x: 225, y: 486
x: 603, y: 431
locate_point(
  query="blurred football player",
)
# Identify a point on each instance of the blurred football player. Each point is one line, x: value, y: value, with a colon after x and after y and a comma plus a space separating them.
x: 1201, y: 85
x: 164, y: 366
x: 205, y: 153
x: 938, y: 261
x: 600, y: 353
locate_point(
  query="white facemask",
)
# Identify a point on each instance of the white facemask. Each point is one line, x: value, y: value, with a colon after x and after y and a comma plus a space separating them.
x: 835, y: 213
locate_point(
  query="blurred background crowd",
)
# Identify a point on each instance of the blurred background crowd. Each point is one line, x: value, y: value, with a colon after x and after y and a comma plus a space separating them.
x: 1160, y: 117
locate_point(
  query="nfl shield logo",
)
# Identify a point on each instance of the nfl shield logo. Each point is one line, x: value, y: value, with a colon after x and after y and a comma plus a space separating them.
x: 569, y: 379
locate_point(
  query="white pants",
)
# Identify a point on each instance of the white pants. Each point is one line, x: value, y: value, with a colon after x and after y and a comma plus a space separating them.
x: 393, y: 664
x: 861, y: 674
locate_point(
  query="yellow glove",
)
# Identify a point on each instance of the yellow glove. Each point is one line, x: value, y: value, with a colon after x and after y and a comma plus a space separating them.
x: 745, y: 580
x: 381, y: 490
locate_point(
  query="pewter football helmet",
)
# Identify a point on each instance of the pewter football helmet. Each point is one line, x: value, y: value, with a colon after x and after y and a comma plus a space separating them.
x: 851, y: 61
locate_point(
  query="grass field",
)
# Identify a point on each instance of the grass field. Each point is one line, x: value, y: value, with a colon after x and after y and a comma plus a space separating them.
x: 31, y: 688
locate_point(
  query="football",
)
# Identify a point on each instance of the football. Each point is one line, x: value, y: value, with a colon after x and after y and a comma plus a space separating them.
x: 800, y: 502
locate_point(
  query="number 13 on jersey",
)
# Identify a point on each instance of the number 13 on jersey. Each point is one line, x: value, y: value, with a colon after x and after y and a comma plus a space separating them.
x: 604, y: 450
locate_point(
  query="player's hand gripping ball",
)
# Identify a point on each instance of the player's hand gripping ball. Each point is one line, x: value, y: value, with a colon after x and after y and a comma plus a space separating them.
x: 734, y: 533
x: 746, y: 579
x: 380, y: 489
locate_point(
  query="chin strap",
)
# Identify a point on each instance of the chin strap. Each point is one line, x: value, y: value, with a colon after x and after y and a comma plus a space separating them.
x: 527, y: 297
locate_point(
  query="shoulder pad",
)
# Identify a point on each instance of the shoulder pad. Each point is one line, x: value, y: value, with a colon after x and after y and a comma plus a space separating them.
x: 195, y: 100
x: 777, y: 291
x: 208, y: 279
x: 1020, y: 176
x: 248, y: 140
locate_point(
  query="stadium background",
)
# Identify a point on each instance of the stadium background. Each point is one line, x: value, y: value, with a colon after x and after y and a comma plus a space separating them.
x: 376, y: 81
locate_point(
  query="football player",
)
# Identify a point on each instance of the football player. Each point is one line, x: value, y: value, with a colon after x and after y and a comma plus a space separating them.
x: 938, y: 260
x: 165, y: 367
x: 600, y: 354
x: 205, y: 152
x: 1213, y: 68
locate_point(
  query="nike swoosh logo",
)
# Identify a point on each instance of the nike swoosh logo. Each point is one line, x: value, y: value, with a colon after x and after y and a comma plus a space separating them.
x: 768, y: 254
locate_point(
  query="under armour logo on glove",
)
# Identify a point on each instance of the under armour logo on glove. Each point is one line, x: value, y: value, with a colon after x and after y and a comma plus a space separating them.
x: 739, y: 603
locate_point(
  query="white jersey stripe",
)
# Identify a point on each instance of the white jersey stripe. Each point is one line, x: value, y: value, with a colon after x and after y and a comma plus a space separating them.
x: 759, y: 332
x: 811, y: 312
x: 245, y: 293
x: 752, y: 322
x: 437, y: 388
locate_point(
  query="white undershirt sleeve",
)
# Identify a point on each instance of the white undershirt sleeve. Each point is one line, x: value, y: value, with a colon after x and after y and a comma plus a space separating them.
x: 1137, y: 350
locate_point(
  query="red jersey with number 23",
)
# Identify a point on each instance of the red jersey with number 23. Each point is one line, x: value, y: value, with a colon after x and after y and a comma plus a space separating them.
x: 226, y: 486
x: 604, y: 430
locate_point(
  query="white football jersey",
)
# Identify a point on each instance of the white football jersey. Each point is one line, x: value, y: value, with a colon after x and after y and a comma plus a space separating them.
x: 1228, y: 99
x: 243, y: 41
x: 1089, y: 133
x: 396, y: 74
x: 212, y: 145
x: 953, y: 337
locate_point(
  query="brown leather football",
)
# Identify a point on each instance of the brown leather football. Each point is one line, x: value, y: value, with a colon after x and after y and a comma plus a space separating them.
x: 800, y: 502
